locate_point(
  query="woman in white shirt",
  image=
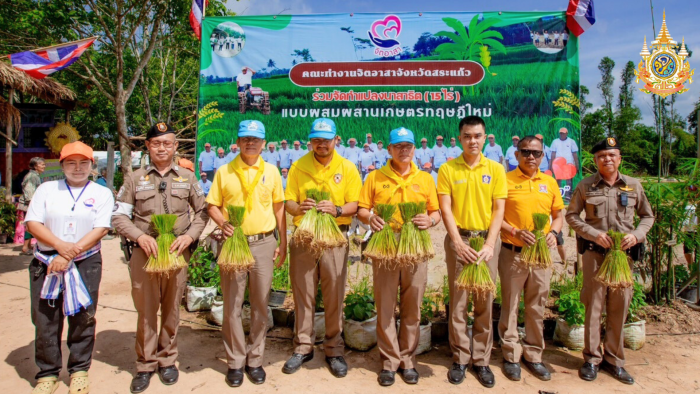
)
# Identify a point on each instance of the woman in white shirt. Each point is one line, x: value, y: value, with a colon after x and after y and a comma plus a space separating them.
x: 68, y: 218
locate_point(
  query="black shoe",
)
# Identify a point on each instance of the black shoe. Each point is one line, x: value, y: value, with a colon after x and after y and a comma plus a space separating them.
x: 386, y: 378
x: 338, y: 366
x: 511, y: 370
x: 294, y: 363
x: 618, y: 373
x: 409, y: 376
x: 234, y: 377
x: 539, y: 370
x: 484, y: 376
x: 588, y: 372
x: 168, y: 375
x: 456, y: 373
x: 256, y: 375
x: 140, y: 382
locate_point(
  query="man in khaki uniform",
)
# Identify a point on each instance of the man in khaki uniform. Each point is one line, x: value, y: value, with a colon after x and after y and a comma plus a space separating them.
x: 610, y: 200
x: 529, y: 191
x: 321, y: 168
x: 251, y: 182
x: 400, y: 180
x: 159, y: 188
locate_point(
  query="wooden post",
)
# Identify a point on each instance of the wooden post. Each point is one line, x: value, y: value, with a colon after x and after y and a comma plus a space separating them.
x: 110, y: 165
x: 8, y: 152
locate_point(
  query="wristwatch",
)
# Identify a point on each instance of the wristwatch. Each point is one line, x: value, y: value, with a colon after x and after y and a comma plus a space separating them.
x: 432, y: 222
x: 338, y: 211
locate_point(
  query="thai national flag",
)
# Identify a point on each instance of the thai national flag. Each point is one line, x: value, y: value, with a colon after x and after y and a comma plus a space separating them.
x: 580, y: 16
x: 41, y: 63
x: 196, y: 16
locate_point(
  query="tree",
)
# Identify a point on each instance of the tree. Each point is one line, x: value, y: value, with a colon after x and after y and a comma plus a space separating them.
x: 271, y: 64
x: 304, y: 55
x: 426, y: 44
x: 606, y: 85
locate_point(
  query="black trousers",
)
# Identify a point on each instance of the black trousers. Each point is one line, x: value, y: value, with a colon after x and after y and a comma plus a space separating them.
x: 48, y: 317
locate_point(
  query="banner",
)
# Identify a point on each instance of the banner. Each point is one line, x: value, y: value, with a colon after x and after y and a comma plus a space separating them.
x: 372, y: 73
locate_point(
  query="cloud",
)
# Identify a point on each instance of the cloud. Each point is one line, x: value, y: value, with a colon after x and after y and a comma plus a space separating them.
x: 269, y: 7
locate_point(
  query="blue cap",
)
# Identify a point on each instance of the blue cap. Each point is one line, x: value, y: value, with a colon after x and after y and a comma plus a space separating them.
x: 251, y: 128
x: 400, y: 135
x: 323, y: 128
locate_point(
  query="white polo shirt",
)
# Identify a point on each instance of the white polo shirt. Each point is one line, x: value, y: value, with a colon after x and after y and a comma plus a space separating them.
x: 565, y: 149
x: 52, y: 203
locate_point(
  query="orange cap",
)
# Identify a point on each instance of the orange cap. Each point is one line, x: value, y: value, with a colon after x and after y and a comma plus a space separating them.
x: 539, y: 136
x: 184, y: 163
x: 76, y: 148
x: 371, y: 167
x: 428, y: 165
x: 368, y: 135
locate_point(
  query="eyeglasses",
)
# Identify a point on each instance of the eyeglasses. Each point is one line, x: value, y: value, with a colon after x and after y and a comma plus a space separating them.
x: 164, y: 144
x: 528, y: 152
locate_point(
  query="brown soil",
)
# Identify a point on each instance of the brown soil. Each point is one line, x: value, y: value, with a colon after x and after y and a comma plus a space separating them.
x: 674, y: 318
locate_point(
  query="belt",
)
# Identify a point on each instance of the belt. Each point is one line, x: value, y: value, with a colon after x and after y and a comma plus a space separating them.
x: 594, y: 247
x: 512, y: 247
x: 258, y: 237
x: 344, y: 227
x: 473, y: 233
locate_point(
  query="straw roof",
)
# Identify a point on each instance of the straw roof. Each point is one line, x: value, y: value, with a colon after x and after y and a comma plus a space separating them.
x: 46, y: 89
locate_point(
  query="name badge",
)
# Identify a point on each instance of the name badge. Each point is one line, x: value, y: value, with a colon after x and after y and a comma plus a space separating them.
x: 180, y: 186
x: 70, y: 227
x: 150, y: 186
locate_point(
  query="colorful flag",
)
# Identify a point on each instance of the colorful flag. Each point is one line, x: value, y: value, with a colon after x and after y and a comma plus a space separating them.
x: 196, y: 15
x: 43, y: 62
x: 580, y: 16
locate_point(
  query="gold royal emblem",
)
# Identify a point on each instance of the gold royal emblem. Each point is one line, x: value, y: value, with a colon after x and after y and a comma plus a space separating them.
x: 180, y: 179
x: 665, y: 69
x: 611, y: 141
x: 162, y: 127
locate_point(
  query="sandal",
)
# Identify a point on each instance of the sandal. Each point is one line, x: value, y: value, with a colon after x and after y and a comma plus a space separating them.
x: 47, y: 385
x: 79, y: 383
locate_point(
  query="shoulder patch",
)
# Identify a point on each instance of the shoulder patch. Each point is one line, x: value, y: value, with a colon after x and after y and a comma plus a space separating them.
x: 121, y: 192
x: 198, y: 189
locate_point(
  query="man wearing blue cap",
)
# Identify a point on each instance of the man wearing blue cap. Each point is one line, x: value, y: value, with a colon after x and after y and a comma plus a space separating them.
x: 400, y: 180
x: 322, y: 169
x: 249, y: 181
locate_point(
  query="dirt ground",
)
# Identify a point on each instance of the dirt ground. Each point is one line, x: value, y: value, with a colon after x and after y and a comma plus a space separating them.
x: 666, y: 364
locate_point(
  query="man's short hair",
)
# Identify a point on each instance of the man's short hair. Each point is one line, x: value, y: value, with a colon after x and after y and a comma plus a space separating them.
x: 527, y: 139
x: 472, y: 121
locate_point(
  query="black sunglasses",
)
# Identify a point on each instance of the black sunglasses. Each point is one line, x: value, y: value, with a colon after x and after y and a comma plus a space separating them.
x: 527, y: 152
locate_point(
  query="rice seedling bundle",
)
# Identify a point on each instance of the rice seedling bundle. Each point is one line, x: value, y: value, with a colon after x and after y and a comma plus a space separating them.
x: 415, y: 245
x: 165, y: 261
x: 476, y: 277
x: 235, y: 253
x: 318, y: 231
x: 537, y: 255
x: 615, y: 271
x: 382, y: 246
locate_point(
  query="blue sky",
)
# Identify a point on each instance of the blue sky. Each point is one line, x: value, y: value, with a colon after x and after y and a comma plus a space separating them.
x: 618, y: 33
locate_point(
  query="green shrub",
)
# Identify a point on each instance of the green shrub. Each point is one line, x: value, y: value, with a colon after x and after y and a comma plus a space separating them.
x: 203, y: 270
x: 635, y: 312
x: 571, y: 308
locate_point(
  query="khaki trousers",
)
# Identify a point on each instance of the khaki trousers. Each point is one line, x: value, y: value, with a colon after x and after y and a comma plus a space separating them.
x: 399, y: 351
x: 595, y: 296
x: 516, y: 277
x: 305, y: 271
x: 240, y: 352
x: 156, y: 348
x: 462, y: 352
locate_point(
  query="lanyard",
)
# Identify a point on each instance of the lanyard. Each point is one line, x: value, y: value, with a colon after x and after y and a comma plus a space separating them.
x: 75, y: 200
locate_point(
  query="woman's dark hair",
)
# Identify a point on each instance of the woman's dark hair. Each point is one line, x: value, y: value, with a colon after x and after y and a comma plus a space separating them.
x: 35, y: 161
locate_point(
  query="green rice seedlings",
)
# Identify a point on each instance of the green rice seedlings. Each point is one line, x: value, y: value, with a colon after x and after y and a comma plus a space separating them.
x: 415, y: 245
x: 235, y: 253
x: 476, y: 277
x: 615, y: 271
x: 165, y: 261
x: 318, y: 231
x: 382, y: 246
x: 537, y: 255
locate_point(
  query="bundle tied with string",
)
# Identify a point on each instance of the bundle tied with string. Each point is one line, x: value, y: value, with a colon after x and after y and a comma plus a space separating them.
x: 318, y: 231
x: 615, y: 271
x: 537, y: 255
x: 476, y: 277
x: 382, y: 246
x: 165, y: 261
x: 235, y: 253
x: 415, y: 245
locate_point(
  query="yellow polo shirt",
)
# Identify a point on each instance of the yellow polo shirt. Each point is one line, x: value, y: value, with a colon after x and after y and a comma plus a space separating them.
x: 381, y: 189
x: 226, y: 190
x: 526, y: 196
x: 340, y: 177
x: 473, y: 190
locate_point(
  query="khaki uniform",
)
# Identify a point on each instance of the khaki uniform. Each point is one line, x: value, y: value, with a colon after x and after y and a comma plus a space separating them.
x: 604, y: 211
x: 138, y: 199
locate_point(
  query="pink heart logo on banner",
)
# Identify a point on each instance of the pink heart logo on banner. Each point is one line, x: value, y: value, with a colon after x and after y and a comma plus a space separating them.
x: 396, y: 27
x: 562, y: 169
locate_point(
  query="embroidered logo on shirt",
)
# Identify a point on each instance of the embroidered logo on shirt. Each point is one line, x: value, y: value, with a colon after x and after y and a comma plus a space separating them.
x: 180, y: 179
x: 338, y: 178
x: 416, y: 187
x: 626, y: 189
x: 486, y: 179
x: 518, y: 187
x: 89, y: 202
x: 543, y: 188
x: 460, y: 181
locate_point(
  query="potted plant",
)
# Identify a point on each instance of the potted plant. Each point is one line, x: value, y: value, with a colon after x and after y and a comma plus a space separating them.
x: 360, y: 324
x: 634, y: 331
x: 569, y: 330
x: 203, y: 280
x: 8, y: 217
x: 280, y: 284
x: 427, y: 308
x: 439, y: 324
